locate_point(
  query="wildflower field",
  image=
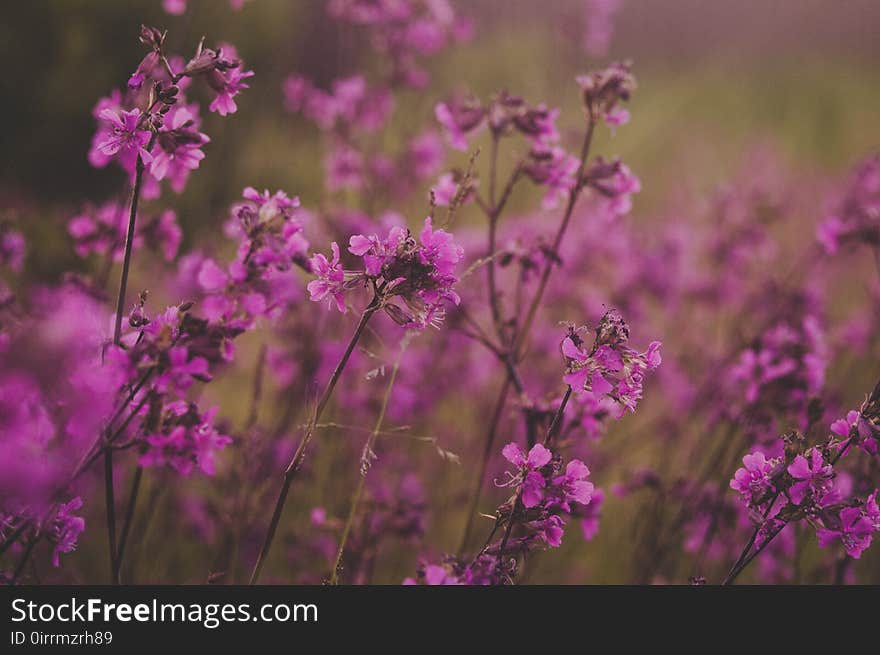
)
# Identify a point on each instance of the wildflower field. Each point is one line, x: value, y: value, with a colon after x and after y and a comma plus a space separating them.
x: 435, y: 292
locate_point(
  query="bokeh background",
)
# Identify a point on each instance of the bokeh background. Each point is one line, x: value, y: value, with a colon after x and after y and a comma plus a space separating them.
x: 718, y: 80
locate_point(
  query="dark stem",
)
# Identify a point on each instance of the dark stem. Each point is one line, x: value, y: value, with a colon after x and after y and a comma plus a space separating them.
x: 517, y: 507
x: 109, y: 500
x: 556, y: 423
x: 127, y: 521
x: 129, y: 242
x: 484, y: 464
x: 557, y: 241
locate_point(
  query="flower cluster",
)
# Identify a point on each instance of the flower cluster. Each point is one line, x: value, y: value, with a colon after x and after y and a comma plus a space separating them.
x: 269, y: 231
x: 805, y: 486
x: 609, y: 368
x: 152, y: 121
x: 421, y: 273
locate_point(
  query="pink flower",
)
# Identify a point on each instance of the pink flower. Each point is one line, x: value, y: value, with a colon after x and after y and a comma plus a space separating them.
x: 445, y: 190
x: 180, y: 144
x: 227, y: 84
x: 126, y: 135
x: 755, y: 480
x: 812, y: 476
x: 573, y: 485
x: 610, y: 368
x: 866, y: 434
x: 460, y: 119
x: 538, y: 456
x: 533, y: 482
x: 330, y: 279
x: 854, y: 532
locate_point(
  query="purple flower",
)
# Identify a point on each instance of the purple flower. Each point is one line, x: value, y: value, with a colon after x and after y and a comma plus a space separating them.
x: 227, y: 84
x: 445, y: 190
x: 330, y: 279
x: 126, y: 135
x: 854, y: 532
x: 345, y: 168
x: 533, y: 482
x: 180, y: 144
x: 812, y: 476
x: 573, y: 485
x: 461, y: 118
x: 866, y: 433
x: 610, y: 368
x: 755, y: 480
x: 188, y: 439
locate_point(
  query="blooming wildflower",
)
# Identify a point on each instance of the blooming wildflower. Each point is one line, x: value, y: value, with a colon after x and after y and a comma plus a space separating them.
x: 227, y: 81
x: 866, y: 432
x: 610, y: 368
x: 604, y: 90
x: 573, y: 485
x: 854, y: 531
x: 187, y: 440
x: 461, y: 119
x: 445, y: 190
x: 425, y: 154
x: 599, y: 15
x: 126, y: 136
x: 345, y: 168
x: 532, y: 481
x: 813, y: 476
x: 589, y: 514
x: 756, y: 479
x: 330, y: 279
x: 553, y: 168
x: 179, y: 146
x: 421, y: 273
x: 614, y: 183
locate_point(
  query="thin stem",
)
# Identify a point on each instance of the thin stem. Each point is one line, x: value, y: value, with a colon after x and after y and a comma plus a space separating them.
x: 493, y: 225
x: 484, y: 464
x: 127, y: 521
x: 365, y: 464
x: 11, y: 539
x: 129, y: 242
x: 517, y: 507
x: 299, y: 455
x: 109, y: 499
x: 573, y: 196
x: 556, y: 423
x: 739, y: 565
